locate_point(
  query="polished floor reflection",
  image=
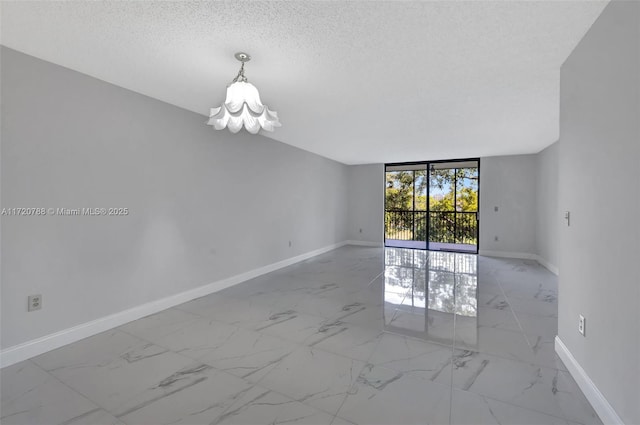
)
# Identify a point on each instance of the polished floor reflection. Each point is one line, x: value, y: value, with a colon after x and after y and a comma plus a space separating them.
x: 355, y: 336
x: 431, y: 295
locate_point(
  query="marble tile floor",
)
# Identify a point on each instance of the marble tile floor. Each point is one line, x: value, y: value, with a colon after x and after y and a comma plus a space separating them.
x: 358, y: 335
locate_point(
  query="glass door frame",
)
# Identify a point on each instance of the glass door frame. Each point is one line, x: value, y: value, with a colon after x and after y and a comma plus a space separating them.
x: 427, y: 165
x: 412, y: 243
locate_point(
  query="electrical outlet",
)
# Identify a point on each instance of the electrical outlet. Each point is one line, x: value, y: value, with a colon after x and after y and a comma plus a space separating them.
x: 495, y: 209
x: 289, y: 243
x: 581, y: 324
x: 495, y: 238
x: 34, y: 302
x: 360, y: 230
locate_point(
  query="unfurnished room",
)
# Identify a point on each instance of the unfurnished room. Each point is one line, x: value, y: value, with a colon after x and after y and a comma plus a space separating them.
x: 320, y: 212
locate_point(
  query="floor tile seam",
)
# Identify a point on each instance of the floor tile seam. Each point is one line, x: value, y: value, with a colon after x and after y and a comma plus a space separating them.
x: 346, y: 396
x: 297, y: 346
x: 520, y: 295
x: 175, y: 307
x: 524, y: 315
x: 517, y: 331
x: 305, y: 298
x: 375, y: 278
x: 366, y: 363
x: 269, y: 289
x: 191, y: 359
x: 267, y: 332
x: 218, y: 416
x: 453, y: 353
x: 504, y: 357
x: 396, y: 311
x: 529, y: 277
x: 201, y: 361
x: 414, y: 338
x: 505, y: 326
x: 499, y: 283
x: 178, y: 307
x: 83, y: 396
x: 378, y: 339
x: 304, y: 402
x: 411, y: 374
x: 566, y: 419
x: 518, y: 311
x: 141, y: 342
x: 344, y: 356
x: 314, y: 316
x: 349, y: 291
x: 340, y: 302
x: 171, y: 333
x: 526, y: 363
x: 514, y: 314
x: 345, y: 420
x: 217, y: 371
x: 333, y: 419
x: 412, y: 377
x: 531, y: 272
x: 130, y: 333
x: 378, y: 333
x: 524, y: 278
x: 324, y: 318
x: 530, y: 335
x: 496, y: 308
x: 251, y: 327
x: 319, y: 280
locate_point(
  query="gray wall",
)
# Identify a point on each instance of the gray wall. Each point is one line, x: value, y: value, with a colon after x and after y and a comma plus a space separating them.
x: 366, y: 203
x: 599, y: 154
x: 204, y: 205
x: 548, y: 217
x: 509, y: 183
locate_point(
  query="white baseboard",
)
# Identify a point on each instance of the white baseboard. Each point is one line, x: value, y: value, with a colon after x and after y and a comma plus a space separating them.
x: 522, y: 255
x: 364, y: 243
x: 35, y: 347
x: 549, y: 266
x: 599, y: 403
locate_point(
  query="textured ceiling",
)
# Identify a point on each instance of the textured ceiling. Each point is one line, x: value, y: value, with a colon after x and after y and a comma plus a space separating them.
x: 359, y: 82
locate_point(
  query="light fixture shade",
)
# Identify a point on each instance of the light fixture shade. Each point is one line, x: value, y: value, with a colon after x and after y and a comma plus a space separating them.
x: 243, y: 107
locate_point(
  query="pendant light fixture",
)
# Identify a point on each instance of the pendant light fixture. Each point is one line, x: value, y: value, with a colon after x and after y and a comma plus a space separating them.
x: 243, y: 107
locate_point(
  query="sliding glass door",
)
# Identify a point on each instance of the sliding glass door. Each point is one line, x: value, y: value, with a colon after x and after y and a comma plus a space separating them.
x: 406, y: 206
x: 433, y: 205
x: 453, y: 206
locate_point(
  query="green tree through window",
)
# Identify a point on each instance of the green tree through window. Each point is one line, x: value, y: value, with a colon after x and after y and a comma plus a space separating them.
x: 452, y: 191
